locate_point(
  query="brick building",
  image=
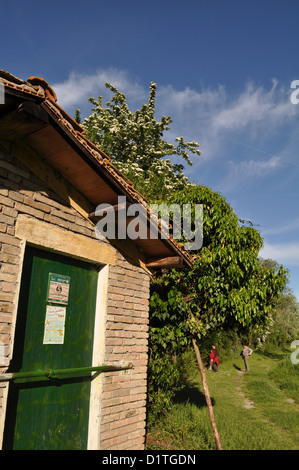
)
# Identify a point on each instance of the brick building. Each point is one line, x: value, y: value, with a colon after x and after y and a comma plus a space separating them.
x: 68, y: 300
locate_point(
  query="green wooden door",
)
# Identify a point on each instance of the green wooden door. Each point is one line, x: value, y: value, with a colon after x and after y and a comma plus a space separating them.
x: 54, y: 331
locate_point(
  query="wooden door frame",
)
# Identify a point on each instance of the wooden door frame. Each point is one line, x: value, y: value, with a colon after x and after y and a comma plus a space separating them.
x: 44, y: 236
x: 95, y: 408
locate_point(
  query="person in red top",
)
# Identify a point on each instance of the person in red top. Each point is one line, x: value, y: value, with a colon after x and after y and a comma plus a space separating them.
x: 214, y: 358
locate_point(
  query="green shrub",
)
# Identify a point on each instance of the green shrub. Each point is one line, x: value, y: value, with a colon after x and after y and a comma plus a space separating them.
x: 163, y: 382
x: 286, y: 376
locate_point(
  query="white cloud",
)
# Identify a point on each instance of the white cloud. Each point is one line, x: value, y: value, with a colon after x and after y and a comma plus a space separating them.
x: 283, y: 228
x: 202, y: 104
x: 284, y: 253
x: 255, y: 107
x: 217, y: 111
x: 252, y: 168
x: 240, y: 172
x: 75, y: 91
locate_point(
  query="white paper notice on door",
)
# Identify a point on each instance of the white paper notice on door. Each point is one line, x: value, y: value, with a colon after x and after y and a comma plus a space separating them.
x: 54, y: 325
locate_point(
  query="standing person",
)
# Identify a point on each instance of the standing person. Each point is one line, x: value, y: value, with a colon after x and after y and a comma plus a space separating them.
x: 246, y: 352
x: 214, y: 358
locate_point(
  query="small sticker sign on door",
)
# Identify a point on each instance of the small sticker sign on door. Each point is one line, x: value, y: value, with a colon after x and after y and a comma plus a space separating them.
x: 54, y: 325
x: 58, y: 289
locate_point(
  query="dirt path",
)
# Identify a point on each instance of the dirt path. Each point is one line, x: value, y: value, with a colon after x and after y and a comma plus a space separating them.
x: 248, y: 404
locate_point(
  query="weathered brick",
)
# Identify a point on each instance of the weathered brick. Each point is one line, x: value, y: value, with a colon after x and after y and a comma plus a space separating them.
x: 6, y: 201
x: 37, y: 205
x: 7, y: 258
x: 63, y: 215
x: 10, y: 230
x: 7, y: 297
x: 5, y: 329
x: 13, y: 169
x: 9, y: 211
x: 57, y: 221
x: 12, y: 250
x: 5, y: 318
x: 9, y: 287
x: 25, y: 209
x: 16, y: 196
x: 9, y: 268
x: 7, y: 307
x: 9, y: 240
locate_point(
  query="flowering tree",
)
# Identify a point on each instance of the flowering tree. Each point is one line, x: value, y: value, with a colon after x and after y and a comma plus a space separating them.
x: 135, y: 144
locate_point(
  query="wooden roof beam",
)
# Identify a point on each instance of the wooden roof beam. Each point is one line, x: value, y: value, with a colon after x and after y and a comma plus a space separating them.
x: 168, y: 262
x: 110, y: 209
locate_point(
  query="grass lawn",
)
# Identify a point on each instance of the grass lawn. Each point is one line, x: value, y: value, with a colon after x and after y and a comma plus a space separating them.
x: 257, y: 410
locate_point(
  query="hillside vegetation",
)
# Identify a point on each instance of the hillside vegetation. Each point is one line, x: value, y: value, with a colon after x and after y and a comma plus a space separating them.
x: 258, y: 410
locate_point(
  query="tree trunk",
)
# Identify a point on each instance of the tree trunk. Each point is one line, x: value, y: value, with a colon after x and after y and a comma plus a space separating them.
x: 207, y: 395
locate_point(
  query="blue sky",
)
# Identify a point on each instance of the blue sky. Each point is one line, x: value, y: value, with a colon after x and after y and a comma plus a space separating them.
x: 223, y: 71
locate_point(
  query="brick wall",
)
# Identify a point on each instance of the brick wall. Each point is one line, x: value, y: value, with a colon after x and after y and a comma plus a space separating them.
x: 123, y: 397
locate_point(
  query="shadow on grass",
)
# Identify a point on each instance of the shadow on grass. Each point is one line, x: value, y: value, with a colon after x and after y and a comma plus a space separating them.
x: 278, y: 355
x: 191, y: 394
